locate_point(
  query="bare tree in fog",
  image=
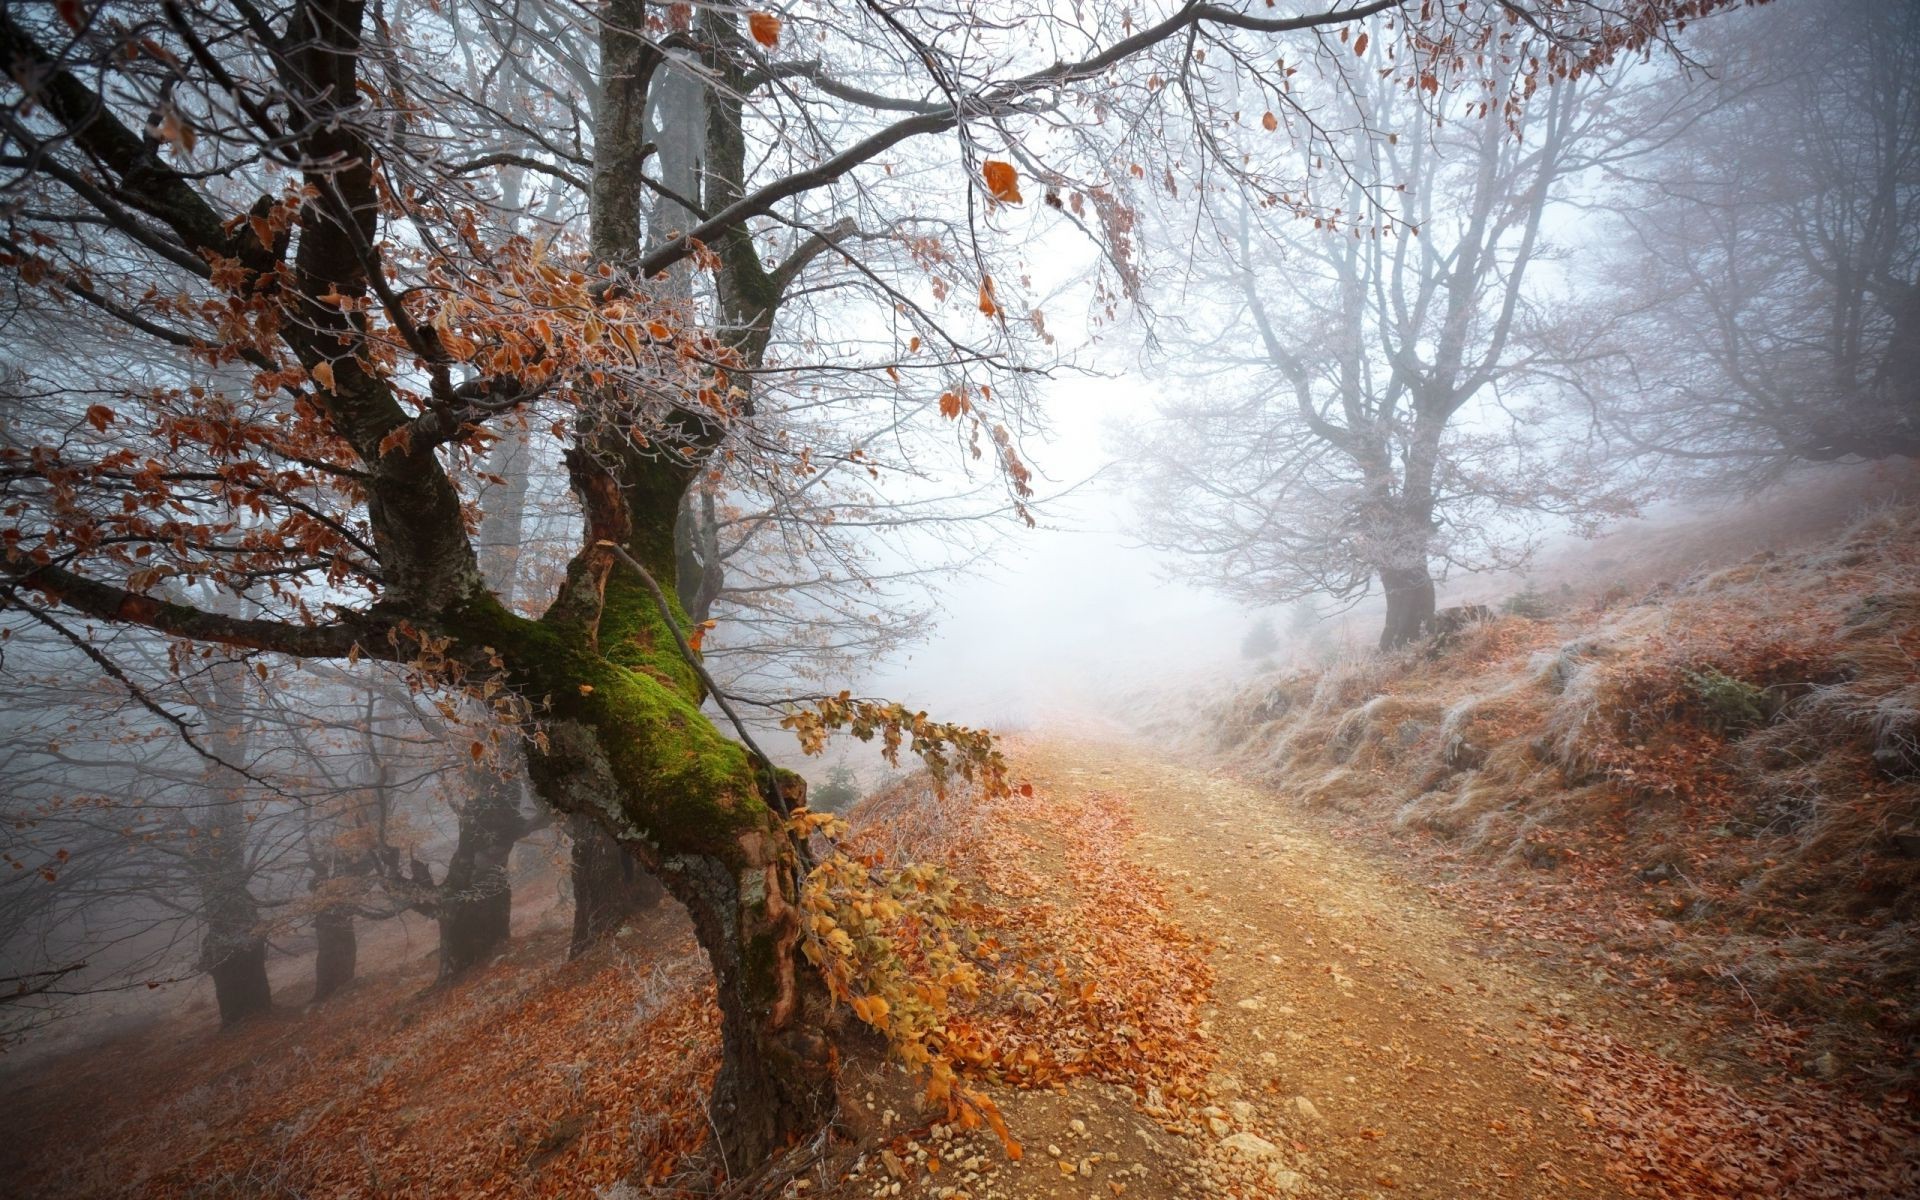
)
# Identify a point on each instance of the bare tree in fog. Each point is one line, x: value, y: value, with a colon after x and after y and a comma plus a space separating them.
x: 1771, y: 276
x: 1369, y: 418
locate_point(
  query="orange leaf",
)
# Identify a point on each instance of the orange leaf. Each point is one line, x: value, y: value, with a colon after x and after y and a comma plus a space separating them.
x: 659, y: 331
x: 987, y: 305
x: 323, y: 375
x: 1360, y: 44
x: 950, y: 405
x: 765, y: 28
x: 1003, y: 182
x: 1270, y: 122
x: 99, y: 416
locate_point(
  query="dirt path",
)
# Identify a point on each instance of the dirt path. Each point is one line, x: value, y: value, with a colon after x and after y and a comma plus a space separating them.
x: 1356, y: 1029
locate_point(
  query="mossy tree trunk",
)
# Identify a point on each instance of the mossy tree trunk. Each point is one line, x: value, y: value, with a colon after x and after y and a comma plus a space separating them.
x: 622, y: 740
x: 622, y: 737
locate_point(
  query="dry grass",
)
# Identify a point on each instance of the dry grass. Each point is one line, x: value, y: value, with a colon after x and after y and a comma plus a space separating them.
x: 1718, y: 783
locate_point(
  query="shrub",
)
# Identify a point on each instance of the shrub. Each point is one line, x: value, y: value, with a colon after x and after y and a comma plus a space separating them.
x: 1528, y: 602
x: 1733, y: 706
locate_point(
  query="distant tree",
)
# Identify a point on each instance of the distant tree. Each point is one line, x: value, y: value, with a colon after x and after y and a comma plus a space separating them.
x: 839, y: 793
x: 1261, y: 641
x: 1770, y: 293
x: 1372, y: 424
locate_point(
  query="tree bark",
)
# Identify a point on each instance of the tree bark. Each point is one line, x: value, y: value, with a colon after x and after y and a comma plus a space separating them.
x: 474, y: 902
x: 334, y: 959
x: 1409, y: 604
x: 609, y: 885
x: 238, y: 965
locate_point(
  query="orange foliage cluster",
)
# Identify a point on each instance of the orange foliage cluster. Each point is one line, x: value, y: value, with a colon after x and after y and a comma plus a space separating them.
x: 1079, y: 974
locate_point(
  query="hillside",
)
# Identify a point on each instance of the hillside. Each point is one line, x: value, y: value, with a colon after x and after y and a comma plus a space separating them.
x: 1704, y: 792
x: 1611, y: 897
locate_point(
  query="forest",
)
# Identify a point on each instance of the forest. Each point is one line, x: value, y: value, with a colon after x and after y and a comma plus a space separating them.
x: 982, y: 601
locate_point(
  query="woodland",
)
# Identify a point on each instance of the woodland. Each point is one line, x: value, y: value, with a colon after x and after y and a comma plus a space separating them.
x: 476, y: 475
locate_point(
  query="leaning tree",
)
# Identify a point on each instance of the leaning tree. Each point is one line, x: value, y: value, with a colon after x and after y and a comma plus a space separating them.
x: 286, y: 192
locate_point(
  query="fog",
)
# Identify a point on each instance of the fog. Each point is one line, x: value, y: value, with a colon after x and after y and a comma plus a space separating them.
x: 469, y: 472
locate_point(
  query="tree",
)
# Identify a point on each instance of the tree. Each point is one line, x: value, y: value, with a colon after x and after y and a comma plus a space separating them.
x: 270, y: 190
x: 1261, y: 641
x: 1381, y: 432
x: 1769, y: 300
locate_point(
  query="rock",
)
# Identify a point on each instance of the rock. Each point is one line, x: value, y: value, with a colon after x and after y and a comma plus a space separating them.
x: 1242, y: 1111
x: 1284, y: 1181
x: 1252, y: 1004
x: 1053, y: 1150
x: 1305, y: 1108
x: 1218, y: 1127
x: 1078, y: 1126
x: 1251, y: 1145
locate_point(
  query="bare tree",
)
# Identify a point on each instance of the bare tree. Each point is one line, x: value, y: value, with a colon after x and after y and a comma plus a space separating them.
x: 1383, y: 432
x: 1769, y: 300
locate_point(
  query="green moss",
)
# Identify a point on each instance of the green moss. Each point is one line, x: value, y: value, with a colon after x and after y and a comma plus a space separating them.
x: 681, y: 782
x: 634, y: 633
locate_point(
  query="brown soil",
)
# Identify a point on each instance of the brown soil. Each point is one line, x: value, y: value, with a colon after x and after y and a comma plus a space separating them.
x: 1359, y: 1032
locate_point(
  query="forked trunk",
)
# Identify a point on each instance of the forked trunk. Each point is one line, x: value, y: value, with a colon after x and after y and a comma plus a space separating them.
x: 609, y: 885
x: 1409, y: 605
x: 336, y: 951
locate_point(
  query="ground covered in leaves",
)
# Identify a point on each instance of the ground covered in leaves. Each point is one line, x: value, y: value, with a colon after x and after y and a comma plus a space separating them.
x: 1190, y: 987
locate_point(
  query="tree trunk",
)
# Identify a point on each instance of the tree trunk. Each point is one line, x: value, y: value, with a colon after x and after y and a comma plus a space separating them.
x: 608, y: 885
x: 776, y: 1082
x: 1409, y: 605
x: 238, y: 965
x: 738, y: 874
x: 474, y: 902
x: 333, y: 961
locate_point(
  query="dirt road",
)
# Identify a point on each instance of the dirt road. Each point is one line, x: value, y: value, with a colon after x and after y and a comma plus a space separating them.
x: 1357, y: 1031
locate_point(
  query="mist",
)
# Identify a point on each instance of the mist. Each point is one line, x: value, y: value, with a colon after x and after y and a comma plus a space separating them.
x: 846, y: 599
